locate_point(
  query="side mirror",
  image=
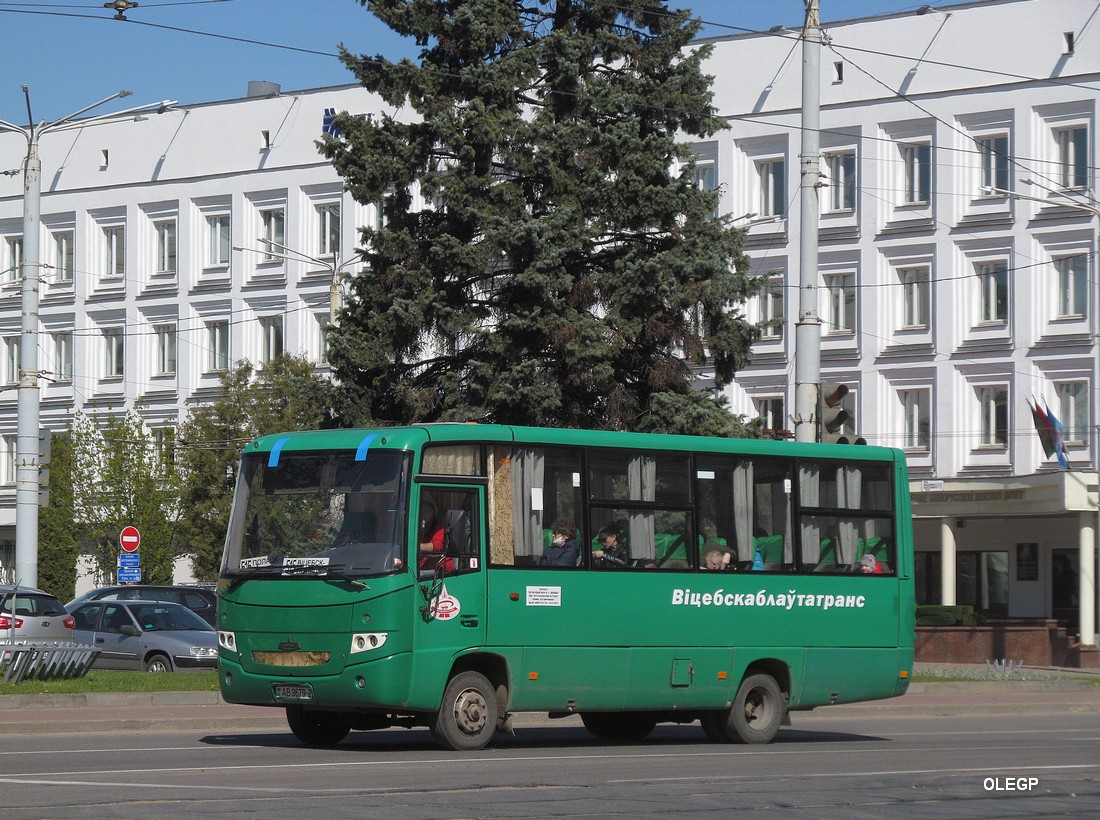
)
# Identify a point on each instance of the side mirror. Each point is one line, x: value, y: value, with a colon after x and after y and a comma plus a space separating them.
x: 129, y: 629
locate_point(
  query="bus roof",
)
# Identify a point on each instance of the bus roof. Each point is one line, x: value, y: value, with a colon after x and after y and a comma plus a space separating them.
x: 418, y: 435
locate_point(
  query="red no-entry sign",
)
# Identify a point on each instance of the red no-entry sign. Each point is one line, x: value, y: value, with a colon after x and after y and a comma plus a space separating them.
x: 129, y: 539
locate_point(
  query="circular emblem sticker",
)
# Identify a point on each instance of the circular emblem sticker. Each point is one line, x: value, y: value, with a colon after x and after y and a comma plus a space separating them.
x: 446, y: 606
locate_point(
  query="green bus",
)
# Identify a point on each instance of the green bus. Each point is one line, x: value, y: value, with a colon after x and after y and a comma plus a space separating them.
x: 409, y: 576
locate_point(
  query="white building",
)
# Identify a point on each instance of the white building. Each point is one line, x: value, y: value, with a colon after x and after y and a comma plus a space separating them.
x: 958, y: 239
x: 146, y: 296
x: 946, y: 303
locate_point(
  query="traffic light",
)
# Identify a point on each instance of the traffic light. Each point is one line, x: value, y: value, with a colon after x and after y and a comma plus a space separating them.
x: 832, y: 417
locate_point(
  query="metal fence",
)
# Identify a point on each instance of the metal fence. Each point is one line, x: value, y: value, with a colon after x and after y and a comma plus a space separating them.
x: 31, y: 661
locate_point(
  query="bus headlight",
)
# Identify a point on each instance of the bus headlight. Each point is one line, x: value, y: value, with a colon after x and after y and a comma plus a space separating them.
x: 227, y: 640
x: 366, y: 641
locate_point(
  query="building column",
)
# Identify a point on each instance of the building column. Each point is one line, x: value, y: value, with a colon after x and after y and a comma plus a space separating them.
x: 947, y: 561
x: 1086, y: 579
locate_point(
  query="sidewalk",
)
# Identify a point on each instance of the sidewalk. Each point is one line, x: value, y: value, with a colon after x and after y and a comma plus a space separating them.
x: 205, y: 711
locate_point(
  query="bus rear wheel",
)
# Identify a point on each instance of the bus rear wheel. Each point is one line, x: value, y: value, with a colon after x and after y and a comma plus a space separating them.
x: 467, y: 717
x: 316, y: 728
x: 757, y: 711
x: 625, y: 726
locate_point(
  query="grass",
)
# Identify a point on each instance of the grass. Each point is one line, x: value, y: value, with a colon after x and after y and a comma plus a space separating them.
x: 105, y: 680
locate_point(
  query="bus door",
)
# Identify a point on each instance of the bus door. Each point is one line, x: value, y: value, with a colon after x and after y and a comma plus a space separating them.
x: 449, y: 555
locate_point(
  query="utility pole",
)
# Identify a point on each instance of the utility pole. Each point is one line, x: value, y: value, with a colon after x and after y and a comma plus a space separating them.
x: 27, y: 451
x: 807, y: 340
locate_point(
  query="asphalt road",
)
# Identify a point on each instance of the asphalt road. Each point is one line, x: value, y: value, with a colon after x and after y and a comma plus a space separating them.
x: 871, y: 763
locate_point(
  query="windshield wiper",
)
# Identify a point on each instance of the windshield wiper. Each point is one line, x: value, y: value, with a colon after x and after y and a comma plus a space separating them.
x: 323, y: 570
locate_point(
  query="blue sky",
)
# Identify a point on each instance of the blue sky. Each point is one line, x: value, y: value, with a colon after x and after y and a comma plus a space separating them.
x: 74, y: 53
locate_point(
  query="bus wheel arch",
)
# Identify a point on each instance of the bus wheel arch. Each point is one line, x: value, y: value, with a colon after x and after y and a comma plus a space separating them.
x: 495, y: 670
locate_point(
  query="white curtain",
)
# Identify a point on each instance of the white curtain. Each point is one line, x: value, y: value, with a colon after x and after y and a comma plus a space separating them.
x: 849, y: 486
x: 743, y: 509
x: 642, y: 479
x: 809, y: 488
x: 528, y: 467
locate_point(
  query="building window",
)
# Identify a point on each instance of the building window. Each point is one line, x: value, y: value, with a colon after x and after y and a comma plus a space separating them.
x: 166, y: 246
x: 11, y: 448
x: 273, y: 227
x: 1073, y: 285
x: 272, y: 346
x: 11, y: 359
x: 773, y: 192
x: 842, y: 181
x: 13, y: 259
x: 328, y: 223
x: 842, y: 302
x: 770, y: 411
x: 917, y: 160
x: 114, y: 251
x: 114, y: 347
x: 164, y: 444
x: 217, y: 346
x: 166, y: 349
x: 993, y: 154
x: 993, y: 403
x: 1073, y: 403
x: 1073, y: 156
x: 993, y: 281
x: 63, y: 356
x: 217, y: 228
x: 771, y: 308
x: 63, y: 256
x: 706, y: 179
x: 915, y: 297
x: 918, y: 420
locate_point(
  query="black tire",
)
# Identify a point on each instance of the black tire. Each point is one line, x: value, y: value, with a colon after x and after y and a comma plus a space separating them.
x: 757, y: 710
x: 467, y: 717
x: 621, y: 726
x: 316, y: 728
x: 158, y: 663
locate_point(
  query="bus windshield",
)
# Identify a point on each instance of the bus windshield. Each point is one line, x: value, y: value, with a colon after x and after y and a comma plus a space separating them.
x: 304, y: 513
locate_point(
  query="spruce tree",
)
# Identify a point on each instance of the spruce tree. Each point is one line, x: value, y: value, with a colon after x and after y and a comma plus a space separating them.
x: 565, y: 268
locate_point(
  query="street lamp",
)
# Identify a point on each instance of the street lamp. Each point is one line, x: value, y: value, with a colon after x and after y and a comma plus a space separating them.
x: 335, y: 268
x: 27, y: 408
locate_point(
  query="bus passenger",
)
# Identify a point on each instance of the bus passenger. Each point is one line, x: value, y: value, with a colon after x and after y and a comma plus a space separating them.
x: 564, y: 551
x: 716, y: 559
x: 869, y: 566
x: 612, y: 554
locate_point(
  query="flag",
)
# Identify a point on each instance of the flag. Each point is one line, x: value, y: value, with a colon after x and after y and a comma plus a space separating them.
x: 1058, y: 436
x: 1042, y: 427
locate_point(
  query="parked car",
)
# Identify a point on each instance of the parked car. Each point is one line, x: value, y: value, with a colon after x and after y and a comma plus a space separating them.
x: 199, y: 600
x: 157, y: 636
x: 31, y: 615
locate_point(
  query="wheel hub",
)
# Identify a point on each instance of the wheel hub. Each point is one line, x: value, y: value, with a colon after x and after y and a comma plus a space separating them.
x: 471, y: 711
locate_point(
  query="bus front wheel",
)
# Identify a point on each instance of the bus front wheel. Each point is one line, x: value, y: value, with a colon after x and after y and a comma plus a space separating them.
x: 467, y: 717
x: 316, y: 728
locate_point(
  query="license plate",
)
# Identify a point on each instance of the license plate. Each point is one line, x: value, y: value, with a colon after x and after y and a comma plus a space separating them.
x: 293, y: 691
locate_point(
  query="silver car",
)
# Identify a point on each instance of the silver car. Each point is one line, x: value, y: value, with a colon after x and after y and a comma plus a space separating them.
x: 30, y: 615
x: 155, y: 636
